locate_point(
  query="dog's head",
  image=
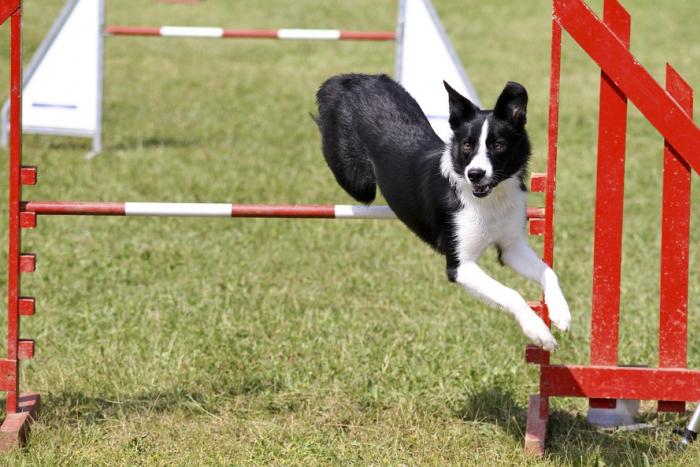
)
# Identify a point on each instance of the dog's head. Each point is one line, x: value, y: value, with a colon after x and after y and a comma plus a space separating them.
x: 488, y: 146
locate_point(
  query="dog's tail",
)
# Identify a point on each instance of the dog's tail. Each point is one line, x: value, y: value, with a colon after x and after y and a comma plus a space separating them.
x: 343, y: 149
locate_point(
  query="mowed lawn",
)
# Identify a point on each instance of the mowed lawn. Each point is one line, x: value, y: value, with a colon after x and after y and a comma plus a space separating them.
x: 296, y: 342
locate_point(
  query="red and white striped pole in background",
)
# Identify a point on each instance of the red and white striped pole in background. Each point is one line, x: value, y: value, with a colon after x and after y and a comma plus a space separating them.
x: 221, y: 33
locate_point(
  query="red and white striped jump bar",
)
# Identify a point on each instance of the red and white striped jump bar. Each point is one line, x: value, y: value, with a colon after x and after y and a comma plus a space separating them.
x: 337, y: 211
x: 221, y: 33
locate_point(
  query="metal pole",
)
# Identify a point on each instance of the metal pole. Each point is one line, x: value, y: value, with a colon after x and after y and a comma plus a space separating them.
x: 690, y: 433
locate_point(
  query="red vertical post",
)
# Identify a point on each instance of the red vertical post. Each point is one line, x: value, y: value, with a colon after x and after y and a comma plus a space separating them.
x: 675, y: 230
x: 552, y: 138
x: 550, y: 181
x: 550, y: 176
x: 610, y: 182
x: 22, y: 409
x: 538, y: 407
x: 13, y: 266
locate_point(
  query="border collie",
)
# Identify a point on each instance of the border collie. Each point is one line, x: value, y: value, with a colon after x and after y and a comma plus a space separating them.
x: 460, y: 197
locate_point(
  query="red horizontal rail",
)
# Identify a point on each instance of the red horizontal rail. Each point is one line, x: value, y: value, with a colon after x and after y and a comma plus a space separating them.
x: 608, y: 382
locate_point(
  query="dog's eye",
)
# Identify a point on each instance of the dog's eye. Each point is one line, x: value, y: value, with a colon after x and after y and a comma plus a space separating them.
x: 467, y: 147
x: 499, y: 146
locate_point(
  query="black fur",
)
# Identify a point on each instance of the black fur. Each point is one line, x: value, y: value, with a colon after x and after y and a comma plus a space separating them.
x: 374, y: 132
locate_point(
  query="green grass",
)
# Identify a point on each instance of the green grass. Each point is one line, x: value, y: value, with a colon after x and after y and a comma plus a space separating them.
x: 178, y: 341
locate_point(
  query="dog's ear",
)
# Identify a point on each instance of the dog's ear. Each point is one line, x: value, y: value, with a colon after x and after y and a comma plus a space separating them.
x: 512, y: 104
x: 461, y: 108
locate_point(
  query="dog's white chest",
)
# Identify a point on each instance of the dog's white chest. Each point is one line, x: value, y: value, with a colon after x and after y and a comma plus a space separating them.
x: 496, y: 219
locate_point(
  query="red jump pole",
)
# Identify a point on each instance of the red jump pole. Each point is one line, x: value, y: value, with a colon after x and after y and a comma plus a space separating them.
x: 301, y: 211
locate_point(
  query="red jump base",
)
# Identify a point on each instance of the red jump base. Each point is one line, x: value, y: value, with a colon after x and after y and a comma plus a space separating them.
x: 14, y: 430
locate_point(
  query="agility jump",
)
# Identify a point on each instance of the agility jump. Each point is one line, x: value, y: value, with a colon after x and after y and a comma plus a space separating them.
x: 603, y: 381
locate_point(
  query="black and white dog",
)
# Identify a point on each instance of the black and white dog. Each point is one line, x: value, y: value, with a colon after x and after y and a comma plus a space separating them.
x: 460, y: 197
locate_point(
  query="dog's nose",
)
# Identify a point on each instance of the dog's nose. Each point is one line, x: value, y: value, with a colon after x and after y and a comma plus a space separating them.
x: 475, y: 175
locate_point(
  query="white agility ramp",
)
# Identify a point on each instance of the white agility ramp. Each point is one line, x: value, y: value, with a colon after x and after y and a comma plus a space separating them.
x: 424, y: 58
x: 63, y: 83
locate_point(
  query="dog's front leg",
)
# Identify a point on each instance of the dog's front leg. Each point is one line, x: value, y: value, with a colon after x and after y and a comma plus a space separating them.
x: 481, y: 285
x: 520, y: 257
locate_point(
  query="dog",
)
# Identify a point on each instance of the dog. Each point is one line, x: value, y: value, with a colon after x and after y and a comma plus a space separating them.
x: 460, y: 197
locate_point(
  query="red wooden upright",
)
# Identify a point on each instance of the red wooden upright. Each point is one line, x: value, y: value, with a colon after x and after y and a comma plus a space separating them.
x: 538, y: 409
x: 669, y: 110
x: 21, y: 409
x: 675, y: 231
x: 610, y: 190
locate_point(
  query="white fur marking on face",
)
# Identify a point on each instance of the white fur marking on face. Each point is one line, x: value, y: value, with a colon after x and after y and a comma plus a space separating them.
x: 481, y: 160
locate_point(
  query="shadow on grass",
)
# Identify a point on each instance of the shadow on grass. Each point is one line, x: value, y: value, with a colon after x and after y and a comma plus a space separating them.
x: 152, y: 142
x: 57, y: 143
x: 91, y: 408
x: 570, y: 438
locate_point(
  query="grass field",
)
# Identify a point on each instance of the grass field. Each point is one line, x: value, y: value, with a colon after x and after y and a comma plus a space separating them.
x: 177, y: 341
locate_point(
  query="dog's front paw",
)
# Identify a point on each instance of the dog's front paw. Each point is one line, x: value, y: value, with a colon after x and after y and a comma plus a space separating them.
x: 536, y: 331
x: 558, y: 309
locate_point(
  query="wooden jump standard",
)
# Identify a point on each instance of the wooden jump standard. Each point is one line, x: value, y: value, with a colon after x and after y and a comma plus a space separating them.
x: 670, y: 111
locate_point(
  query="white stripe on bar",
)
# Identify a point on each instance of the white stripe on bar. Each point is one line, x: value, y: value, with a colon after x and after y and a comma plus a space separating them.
x: 178, y: 209
x: 183, y: 31
x: 328, y: 34
x: 363, y: 212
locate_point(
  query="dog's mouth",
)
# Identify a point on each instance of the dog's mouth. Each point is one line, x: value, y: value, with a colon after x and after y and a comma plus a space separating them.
x: 482, y: 191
